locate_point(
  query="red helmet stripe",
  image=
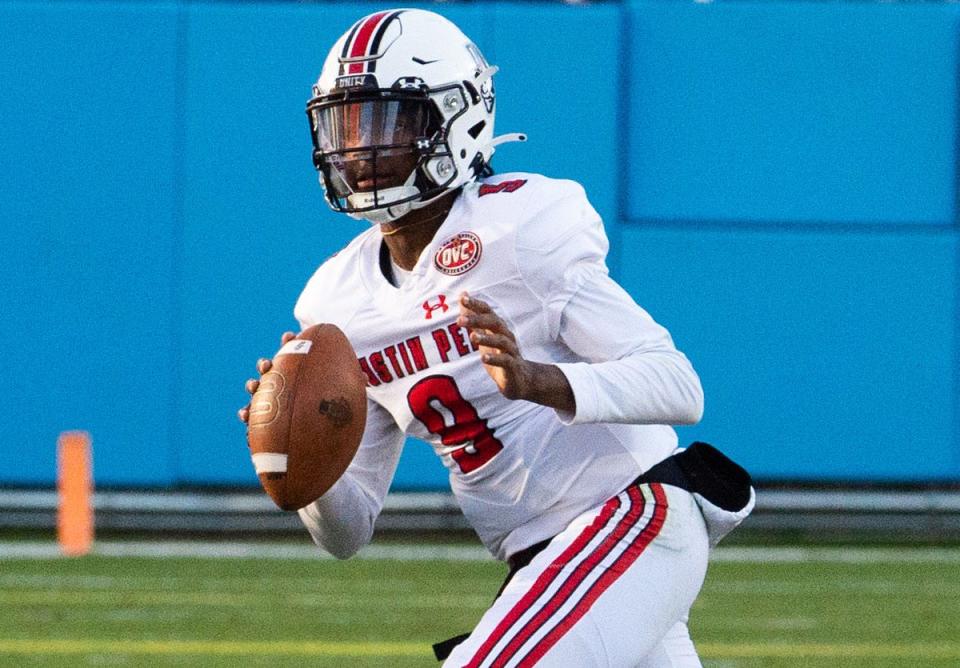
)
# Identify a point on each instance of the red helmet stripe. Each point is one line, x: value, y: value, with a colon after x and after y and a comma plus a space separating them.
x: 381, y: 31
x: 349, y: 40
x: 362, y: 41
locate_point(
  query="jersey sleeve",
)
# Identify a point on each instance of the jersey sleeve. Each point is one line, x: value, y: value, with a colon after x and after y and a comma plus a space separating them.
x: 560, y: 234
x: 342, y: 520
x: 630, y: 371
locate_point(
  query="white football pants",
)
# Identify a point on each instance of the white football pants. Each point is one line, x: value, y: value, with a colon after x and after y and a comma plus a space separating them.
x: 613, y: 590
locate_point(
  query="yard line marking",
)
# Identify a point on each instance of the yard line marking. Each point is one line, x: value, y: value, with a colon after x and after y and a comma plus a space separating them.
x: 242, y: 550
x: 935, y: 650
x: 148, y: 598
x: 408, y: 552
x: 942, y: 650
x: 852, y: 555
x: 276, y: 584
x: 866, y: 586
x: 215, y: 647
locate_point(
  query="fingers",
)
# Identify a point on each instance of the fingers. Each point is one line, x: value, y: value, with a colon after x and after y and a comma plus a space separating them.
x: 476, y: 314
x: 252, y: 385
x: 502, y: 360
x: 501, y: 342
x: 263, y: 366
x: 490, y: 321
x: 474, y: 304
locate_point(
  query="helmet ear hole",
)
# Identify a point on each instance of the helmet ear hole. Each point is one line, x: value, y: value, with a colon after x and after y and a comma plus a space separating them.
x: 476, y: 130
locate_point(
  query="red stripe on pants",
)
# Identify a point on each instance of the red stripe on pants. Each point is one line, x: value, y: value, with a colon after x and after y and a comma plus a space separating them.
x: 579, y: 575
x: 623, y: 562
x: 549, y: 574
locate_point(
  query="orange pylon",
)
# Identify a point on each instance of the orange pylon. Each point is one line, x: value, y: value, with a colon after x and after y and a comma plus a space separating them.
x: 75, y: 487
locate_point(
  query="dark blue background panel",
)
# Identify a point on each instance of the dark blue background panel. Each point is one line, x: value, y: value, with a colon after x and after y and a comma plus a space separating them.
x: 88, y: 120
x: 823, y: 355
x: 793, y: 111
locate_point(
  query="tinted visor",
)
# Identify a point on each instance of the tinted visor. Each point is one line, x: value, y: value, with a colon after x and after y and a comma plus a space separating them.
x: 380, y: 122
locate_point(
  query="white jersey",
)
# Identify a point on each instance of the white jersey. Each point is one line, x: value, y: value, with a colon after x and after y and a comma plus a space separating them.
x: 534, y: 249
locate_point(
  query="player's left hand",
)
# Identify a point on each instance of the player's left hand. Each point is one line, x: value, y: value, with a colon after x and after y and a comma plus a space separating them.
x: 499, y: 351
x: 516, y: 377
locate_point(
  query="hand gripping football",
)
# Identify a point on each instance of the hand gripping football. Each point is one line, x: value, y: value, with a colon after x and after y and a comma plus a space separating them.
x: 307, y: 416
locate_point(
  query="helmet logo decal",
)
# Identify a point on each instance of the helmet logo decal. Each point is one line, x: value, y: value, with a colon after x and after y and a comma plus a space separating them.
x: 361, y: 49
x: 458, y: 254
x: 357, y: 81
x: 409, y: 82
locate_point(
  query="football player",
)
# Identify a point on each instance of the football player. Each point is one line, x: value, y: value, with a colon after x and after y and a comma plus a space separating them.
x: 484, y: 318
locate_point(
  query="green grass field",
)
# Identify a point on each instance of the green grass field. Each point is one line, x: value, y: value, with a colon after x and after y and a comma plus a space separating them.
x: 219, y: 612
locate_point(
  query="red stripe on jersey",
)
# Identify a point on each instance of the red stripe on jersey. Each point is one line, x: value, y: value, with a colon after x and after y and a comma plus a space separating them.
x: 549, y: 574
x: 623, y: 562
x: 579, y: 575
x: 360, y: 44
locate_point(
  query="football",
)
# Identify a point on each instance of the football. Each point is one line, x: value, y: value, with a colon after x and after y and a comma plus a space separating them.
x: 307, y: 416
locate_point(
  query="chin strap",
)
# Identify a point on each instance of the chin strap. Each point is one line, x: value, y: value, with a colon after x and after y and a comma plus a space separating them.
x: 507, y: 138
x: 390, y: 212
x: 387, y: 214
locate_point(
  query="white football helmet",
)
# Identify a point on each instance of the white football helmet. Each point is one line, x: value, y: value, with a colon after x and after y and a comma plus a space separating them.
x: 402, y: 113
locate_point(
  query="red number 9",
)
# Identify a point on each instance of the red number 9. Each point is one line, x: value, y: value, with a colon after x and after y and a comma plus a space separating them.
x: 480, y: 445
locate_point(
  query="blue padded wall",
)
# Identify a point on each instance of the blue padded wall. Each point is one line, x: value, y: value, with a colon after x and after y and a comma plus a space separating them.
x: 565, y: 99
x: 778, y: 180
x: 822, y: 353
x: 792, y: 218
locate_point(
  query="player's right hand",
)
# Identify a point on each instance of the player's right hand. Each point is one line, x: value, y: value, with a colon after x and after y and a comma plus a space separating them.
x: 263, y: 366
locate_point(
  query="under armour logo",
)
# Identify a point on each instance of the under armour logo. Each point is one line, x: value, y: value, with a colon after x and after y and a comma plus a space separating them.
x: 430, y: 308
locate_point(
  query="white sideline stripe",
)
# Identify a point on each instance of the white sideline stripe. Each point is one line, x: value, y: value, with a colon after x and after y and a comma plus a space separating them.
x: 240, y: 502
x: 768, y: 500
x: 240, y: 550
x: 409, y: 552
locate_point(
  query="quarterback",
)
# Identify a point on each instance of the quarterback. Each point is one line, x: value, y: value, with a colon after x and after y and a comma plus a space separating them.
x: 484, y: 318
